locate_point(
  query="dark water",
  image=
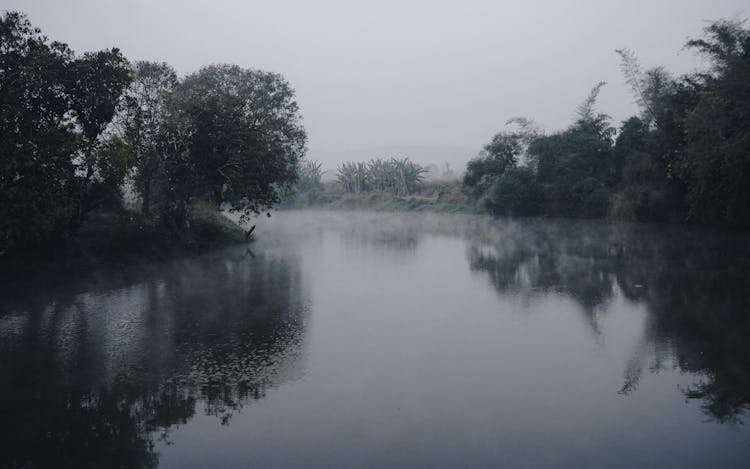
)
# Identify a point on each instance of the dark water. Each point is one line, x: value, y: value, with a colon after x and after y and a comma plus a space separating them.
x: 372, y: 340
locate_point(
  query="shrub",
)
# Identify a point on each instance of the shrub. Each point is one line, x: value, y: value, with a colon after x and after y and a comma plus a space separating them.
x: 516, y: 192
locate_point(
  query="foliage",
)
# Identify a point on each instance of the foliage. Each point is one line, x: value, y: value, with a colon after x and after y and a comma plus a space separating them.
x: 235, y: 137
x: 54, y: 107
x: 575, y: 166
x: 310, y: 176
x: 715, y: 165
x: 649, y: 87
x: 501, y: 153
x: 76, y: 128
x: 114, y: 159
x: 515, y: 192
x: 353, y: 176
x: 141, y: 120
x: 401, y: 177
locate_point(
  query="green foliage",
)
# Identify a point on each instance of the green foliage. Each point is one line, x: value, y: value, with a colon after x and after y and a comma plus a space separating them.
x: 310, y: 176
x: 406, y: 176
x: 400, y: 177
x: 353, y: 177
x: 500, y: 154
x: 691, y: 161
x: 234, y: 136
x: 515, y: 192
x: 114, y: 160
x: 576, y: 166
x: 75, y: 128
x: 54, y: 108
x: 715, y: 164
x: 640, y: 202
x: 141, y: 120
x: 584, y: 150
x: 649, y: 87
x: 308, y: 190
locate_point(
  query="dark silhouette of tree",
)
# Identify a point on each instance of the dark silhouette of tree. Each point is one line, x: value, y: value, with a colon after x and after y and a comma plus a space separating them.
x: 55, y: 107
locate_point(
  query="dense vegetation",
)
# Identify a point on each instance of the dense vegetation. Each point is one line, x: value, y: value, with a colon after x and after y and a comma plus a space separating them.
x: 398, y: 176
x: 84, y: 132
x: 684, y: 158
x: 78, y: 130
x: 392, y: 184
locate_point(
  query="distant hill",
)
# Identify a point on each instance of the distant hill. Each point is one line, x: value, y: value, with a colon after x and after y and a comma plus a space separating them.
x: 433, y: 156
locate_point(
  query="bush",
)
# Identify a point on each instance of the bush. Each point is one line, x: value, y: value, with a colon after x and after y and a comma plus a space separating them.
x: 640, y: 203
x: 516, y: 192
x: 586, y: 198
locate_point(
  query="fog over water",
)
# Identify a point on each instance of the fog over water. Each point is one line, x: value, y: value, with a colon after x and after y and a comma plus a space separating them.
x: 375, y: 340
x: 418, y: 72
x: 339, y: 338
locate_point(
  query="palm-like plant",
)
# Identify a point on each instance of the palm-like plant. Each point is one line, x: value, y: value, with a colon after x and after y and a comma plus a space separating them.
x: 310, y: 175
x: 353, y: 177
x: 401, y: 177
x: 408, y: 175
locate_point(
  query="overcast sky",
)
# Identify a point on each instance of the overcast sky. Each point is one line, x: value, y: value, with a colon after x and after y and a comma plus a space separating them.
x: 422, y: 72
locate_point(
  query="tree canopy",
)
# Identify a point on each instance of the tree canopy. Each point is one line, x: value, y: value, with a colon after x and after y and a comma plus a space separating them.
x: 54, y: 106
x: 75, y: 128
x: 684, y: 157
x: 239, y: 135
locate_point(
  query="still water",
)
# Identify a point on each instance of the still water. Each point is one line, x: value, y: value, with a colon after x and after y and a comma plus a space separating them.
x: 381, y: 340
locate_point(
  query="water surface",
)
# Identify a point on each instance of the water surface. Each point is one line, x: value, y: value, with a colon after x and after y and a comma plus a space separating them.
x: 376, y: 340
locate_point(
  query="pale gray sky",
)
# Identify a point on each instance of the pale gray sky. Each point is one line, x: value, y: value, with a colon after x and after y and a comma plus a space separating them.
x: 421, y: 72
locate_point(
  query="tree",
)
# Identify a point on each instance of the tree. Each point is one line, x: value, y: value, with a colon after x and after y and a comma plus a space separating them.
x: 407, y: 176
x: 310, y: 175
x: 354, y: 177
x: 516, y: 192
x: 234, y: 136
x: 576, y: 166
x: 715, y: 164
x: 143, y: 110
x: 53, y: 110
x: 400, y: 176
x: 649, y: 87
x: 501, y: 153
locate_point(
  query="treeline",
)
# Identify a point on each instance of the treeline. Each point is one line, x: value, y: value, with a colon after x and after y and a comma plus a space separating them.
x: 75, y: 129
x: 381, y: 184
x: 684, y: 158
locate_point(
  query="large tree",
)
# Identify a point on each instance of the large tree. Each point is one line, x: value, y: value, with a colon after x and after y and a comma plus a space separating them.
x: 576, y: 166
x: 53, y: 109
x: 143, y: 110
x: 715, y: 164
x: 236, y: 139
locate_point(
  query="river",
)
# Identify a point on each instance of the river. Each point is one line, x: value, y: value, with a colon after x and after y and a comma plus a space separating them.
x: 343, y: 339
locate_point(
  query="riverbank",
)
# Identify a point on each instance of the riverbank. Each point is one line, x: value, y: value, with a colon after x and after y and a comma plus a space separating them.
x: 121, y: 237
x: 433, y: 196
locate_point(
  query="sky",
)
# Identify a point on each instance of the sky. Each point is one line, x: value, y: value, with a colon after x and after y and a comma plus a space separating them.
x: 409, y: 72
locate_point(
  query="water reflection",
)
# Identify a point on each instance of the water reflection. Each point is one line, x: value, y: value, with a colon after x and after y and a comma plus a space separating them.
x: 448, y: 340
x: 93, y: 371
x: 387, y: 236
x: 693, y: 283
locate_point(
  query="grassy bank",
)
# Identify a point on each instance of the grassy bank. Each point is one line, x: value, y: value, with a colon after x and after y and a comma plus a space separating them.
x: 432, y: 196
x: 120, y: 237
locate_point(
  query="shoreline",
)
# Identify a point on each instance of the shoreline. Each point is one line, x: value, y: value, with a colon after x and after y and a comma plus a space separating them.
x: 122, y: 238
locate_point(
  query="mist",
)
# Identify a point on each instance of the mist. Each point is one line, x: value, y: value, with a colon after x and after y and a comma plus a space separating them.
x: 382, y: 74
x: 382, y: 234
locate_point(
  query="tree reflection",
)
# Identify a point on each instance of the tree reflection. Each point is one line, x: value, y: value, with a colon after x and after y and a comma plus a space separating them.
x: 693, y: 283
x: 531, y: 257
x: 91, y: 379
x: 387, y: 235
